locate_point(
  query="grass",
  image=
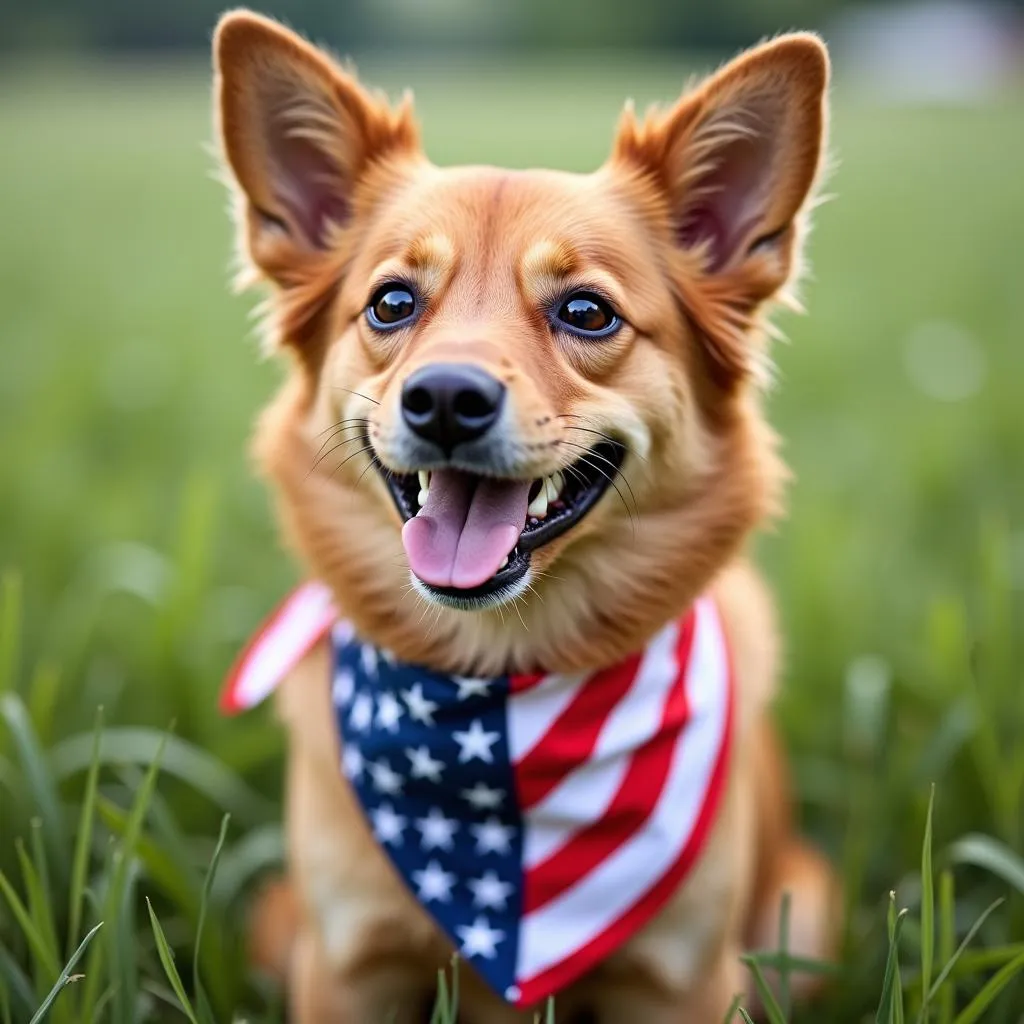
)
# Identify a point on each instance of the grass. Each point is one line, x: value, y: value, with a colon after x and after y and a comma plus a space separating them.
x: 140, y: 552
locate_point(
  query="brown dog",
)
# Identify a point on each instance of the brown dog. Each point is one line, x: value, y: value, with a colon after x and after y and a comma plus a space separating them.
x: 576, y: 362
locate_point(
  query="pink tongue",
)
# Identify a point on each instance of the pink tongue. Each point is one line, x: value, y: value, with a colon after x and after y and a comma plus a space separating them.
x: 466, y: 528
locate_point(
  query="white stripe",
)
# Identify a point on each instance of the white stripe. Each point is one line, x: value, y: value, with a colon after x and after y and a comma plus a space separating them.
x: 584, y: 795
x: 533, y: 711
x: 288, y: 636
x: 568, y: 923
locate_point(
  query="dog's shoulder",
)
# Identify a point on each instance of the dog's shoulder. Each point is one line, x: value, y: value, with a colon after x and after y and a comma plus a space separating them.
x: 747, y: 609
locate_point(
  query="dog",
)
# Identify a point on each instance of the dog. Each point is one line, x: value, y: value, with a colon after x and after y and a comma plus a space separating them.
x: 519, y: 451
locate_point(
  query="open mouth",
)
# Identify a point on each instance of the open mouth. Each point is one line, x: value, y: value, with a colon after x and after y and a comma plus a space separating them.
x: 468, y: 537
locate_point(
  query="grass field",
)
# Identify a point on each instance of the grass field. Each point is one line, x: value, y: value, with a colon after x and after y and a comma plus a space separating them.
x: 140, y: 553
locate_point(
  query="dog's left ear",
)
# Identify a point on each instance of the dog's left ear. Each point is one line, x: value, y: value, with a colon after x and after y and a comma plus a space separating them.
x: 733, y: 164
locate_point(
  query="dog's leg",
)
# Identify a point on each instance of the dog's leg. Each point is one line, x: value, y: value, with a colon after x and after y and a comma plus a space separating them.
x: 807, y: 877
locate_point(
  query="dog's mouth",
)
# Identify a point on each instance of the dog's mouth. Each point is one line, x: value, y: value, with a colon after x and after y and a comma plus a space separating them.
x: 469, y: 536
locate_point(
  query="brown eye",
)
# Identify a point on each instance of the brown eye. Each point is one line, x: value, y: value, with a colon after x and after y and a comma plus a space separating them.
x: 390, y: 305
x: 588, y: 314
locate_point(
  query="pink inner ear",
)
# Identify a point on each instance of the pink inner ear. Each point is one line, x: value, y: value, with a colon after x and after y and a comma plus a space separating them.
x: 730, y: 197
x: 306, y: 177
x: 309, y: 187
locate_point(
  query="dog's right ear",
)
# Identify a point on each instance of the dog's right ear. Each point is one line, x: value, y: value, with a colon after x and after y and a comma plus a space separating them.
x: 298, y: 134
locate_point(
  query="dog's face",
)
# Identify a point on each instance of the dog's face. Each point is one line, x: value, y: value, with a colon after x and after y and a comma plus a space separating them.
x: 519, y: 388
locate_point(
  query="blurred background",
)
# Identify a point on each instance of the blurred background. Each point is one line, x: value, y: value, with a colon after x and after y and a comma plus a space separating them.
x: 139, y: 552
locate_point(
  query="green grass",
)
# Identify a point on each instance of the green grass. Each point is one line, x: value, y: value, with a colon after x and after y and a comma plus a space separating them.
x: 129, y: 379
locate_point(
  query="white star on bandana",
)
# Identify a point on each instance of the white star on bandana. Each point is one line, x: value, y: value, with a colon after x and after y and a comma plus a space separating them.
x: 436, y: 831
x: 475, y: 742
x: 480, y: 939
x: 422, y: 765
x: 434, y: 883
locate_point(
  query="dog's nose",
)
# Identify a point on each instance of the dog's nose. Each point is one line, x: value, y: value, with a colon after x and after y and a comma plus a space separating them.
x: 450, y: 403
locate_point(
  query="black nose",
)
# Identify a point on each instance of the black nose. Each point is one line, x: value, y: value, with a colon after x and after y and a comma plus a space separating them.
x: 449, y: 403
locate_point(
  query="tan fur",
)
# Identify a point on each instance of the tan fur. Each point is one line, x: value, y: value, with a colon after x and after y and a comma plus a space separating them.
x: 334, y: 197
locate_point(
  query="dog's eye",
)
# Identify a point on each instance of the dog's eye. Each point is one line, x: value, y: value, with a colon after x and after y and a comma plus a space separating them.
x: 585, y: 313
x: 390, y: 305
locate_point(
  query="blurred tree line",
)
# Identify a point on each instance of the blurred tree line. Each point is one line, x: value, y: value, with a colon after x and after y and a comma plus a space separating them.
x: 353, y: 25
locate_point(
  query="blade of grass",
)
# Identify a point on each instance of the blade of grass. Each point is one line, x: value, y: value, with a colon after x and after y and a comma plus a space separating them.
x: 442, y: 1006
x: 10, y: 629
x: 204, y: 902
x: 42, y: 784
x: 947, y: 938
x: 981, y: 1002
x: 167, y: 961
x: 37, y: 944
x: 771, y: 1006
x: 747, y: 1019
x: 39, y: 911
x: 892, y: 995
x: 162, y: 869
x: 971, y: 932
x: 975, y: 961
x: 65, y: 976
x: 181, y: 759
x: 785, y: 1000
x: 83, y: 835
x: 119, y: 891
x: 772, y: 961
x: 927, y: 912
x: 730, y: 1014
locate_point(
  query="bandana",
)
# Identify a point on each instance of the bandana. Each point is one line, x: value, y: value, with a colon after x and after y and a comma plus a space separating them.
x: 541, y: 820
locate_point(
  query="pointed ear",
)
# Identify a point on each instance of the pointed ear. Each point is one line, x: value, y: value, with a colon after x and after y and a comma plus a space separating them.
x: 298, y: 134
x: 734, y: 163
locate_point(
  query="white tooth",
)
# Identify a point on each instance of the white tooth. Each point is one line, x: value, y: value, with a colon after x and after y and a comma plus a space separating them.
x: 422, y: 497
x: 424, y: 480
x: 539, y: 506
x: 504, y: 562
x: 549, y: 488
x: 558, y: 479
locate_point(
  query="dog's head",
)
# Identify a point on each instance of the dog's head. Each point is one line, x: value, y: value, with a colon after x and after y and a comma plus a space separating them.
x: 532, y: 394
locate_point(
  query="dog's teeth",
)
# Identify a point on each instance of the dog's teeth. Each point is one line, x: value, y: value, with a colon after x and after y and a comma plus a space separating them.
x: 539, y: 506
x: 424, y: 491
x: 550, y: 488
x: 504, y: 562
x: 559, y: 481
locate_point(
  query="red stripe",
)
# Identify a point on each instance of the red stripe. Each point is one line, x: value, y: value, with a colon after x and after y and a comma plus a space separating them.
x: 571, y: 739
x: 229, y: 703
x: 555, y: 978
x: 637, y: 795
x: 524, y: 680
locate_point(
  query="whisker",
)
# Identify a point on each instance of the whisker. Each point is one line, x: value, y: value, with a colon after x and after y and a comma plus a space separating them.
x: 351, y: 419
x: 601, y: 434
x: 318, y: 458
x: 369, y: 466
x: 617, y: 469
x: 611, y: 481
x: 358, y: 394
x: 341, y: 444
x: 362, y: 451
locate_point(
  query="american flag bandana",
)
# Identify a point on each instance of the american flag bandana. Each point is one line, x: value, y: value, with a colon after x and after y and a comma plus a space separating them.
x: 541, y: 820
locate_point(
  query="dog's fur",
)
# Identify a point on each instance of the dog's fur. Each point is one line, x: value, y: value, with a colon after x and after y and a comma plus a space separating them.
x: 692, y: 227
